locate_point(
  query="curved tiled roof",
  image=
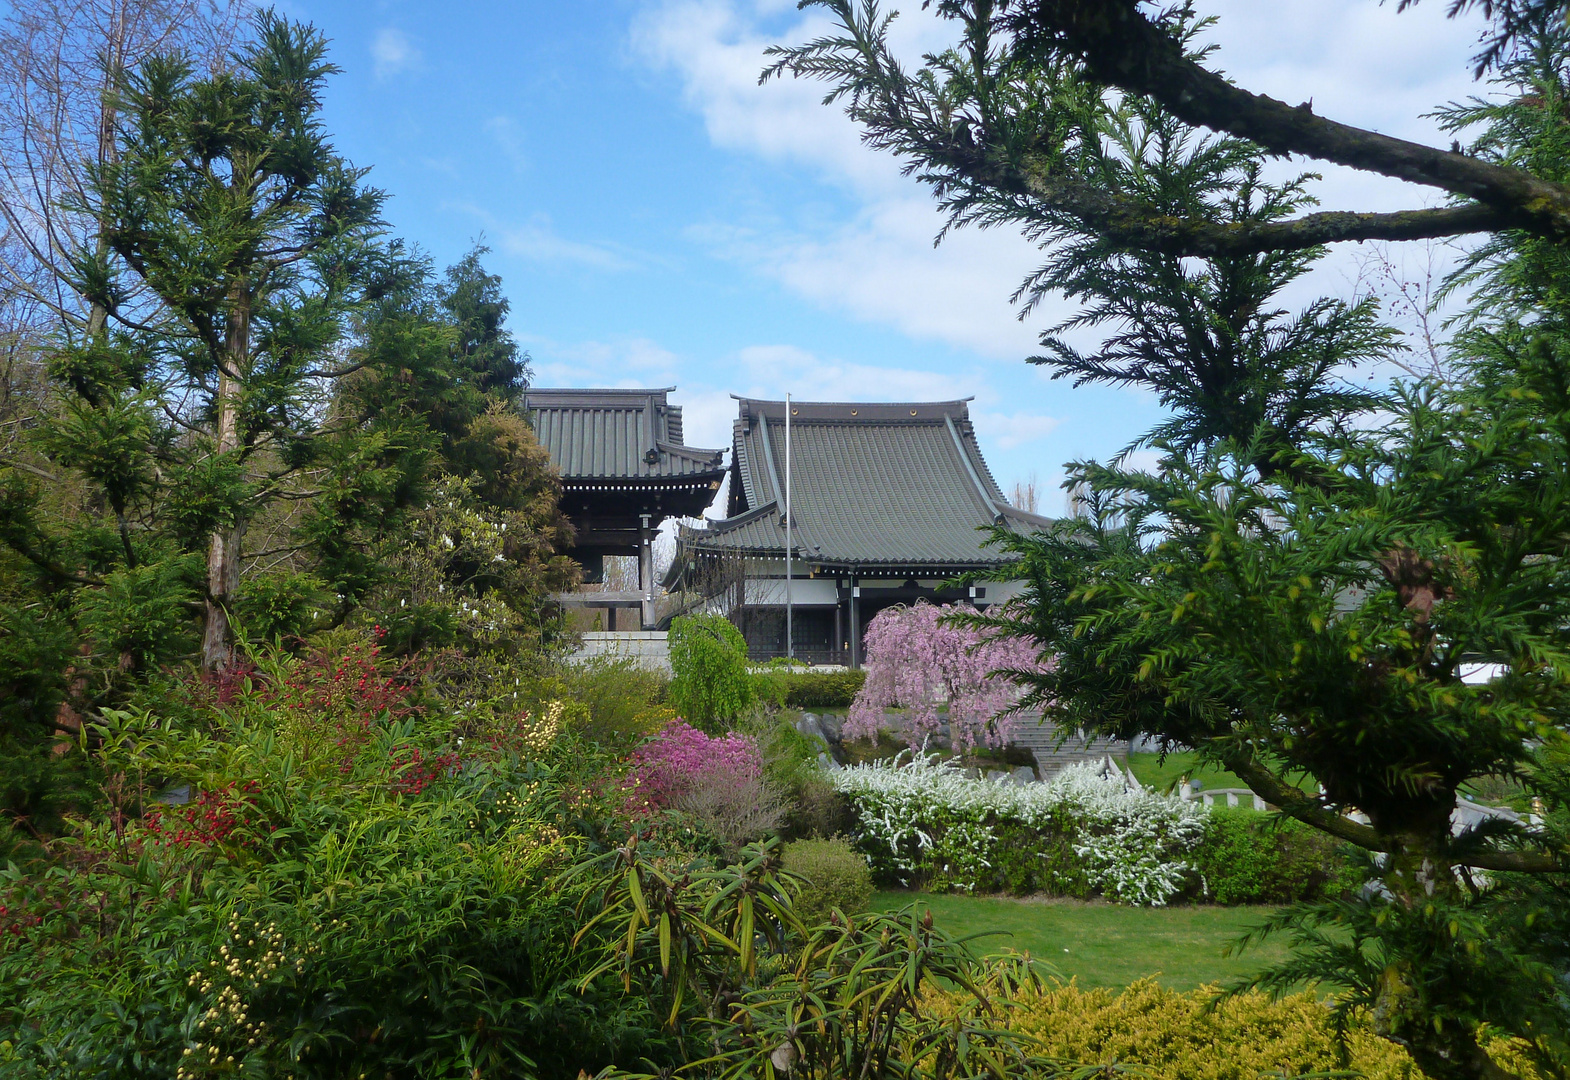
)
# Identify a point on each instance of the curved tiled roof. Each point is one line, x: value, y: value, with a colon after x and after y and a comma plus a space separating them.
x: 872, y: 485
x: 616, y: 435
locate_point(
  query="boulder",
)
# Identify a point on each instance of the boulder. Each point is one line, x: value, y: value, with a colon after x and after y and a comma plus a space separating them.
x: 831, y: 727
x: 1023, y: 774
x: 808, y: 725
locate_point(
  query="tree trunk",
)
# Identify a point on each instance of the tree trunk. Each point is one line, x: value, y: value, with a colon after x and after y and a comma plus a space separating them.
x: 1418, y: 875
x: 223, y: 554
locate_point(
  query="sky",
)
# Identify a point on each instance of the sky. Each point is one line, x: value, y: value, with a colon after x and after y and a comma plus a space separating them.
x: 660, y: 219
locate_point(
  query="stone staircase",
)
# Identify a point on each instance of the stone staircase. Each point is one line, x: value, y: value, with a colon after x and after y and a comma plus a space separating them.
x: 1041, y: 739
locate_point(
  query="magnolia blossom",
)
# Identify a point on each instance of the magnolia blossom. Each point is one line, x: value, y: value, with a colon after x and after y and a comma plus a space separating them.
x: 916, y: 659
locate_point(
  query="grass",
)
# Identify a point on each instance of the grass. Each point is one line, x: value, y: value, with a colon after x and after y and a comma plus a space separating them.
x: 1153, y: 772
x: 1106, y: 945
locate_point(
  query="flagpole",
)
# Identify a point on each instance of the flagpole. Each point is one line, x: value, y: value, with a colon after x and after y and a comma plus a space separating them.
x: 790, y: 636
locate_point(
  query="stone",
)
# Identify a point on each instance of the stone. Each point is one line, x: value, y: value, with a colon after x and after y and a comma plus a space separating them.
x: 808, y: 725
x: 1023, y: 774
x: 999, y: 776
x: 832, y: 729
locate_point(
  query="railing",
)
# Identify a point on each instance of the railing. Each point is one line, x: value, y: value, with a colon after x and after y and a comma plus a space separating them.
x: 1229, y: 796
x: 839, y: 657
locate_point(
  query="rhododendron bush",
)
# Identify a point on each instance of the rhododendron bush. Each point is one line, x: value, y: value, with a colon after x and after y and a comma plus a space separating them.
x: 922, y: 820
x: 920, y: 658
x: 715, y: 781
x: 671, y: 762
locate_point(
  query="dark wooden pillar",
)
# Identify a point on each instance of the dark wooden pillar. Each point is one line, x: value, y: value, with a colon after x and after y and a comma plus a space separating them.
x: 839, y: 633
x: 855, y: 622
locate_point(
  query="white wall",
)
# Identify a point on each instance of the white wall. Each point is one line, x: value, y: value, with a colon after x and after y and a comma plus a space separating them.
x: 804, y: 592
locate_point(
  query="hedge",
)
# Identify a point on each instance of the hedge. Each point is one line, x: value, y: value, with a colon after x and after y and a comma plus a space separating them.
x: 1251, y: 858
x: 799, y: 689
x: 924, y: 824
x: 1192, y: 1036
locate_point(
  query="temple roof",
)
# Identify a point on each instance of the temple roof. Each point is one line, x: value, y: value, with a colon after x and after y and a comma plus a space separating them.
x: 873, y: 486
x: 616, y: 435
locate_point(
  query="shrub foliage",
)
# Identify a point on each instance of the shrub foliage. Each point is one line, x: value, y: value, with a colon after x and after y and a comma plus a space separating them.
x: 834, y: 875
x: 709, y: 664
x: 921, y: 821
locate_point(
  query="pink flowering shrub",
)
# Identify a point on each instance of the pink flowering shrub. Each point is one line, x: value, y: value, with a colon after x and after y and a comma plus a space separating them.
x: 668, y: 766
x: 917, y: 660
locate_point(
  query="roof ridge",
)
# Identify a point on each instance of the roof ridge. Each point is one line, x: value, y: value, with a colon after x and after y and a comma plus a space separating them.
x: 970, y: 469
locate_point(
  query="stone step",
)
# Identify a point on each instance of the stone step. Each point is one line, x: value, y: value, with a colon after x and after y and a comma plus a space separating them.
x: 1042, y: 740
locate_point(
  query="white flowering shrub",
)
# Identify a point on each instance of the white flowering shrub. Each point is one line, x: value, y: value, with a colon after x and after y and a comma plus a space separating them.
x: 922, y: 820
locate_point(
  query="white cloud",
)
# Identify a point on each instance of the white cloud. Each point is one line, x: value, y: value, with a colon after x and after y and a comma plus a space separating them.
x: 1358, y: 62
x: 537, y: 241
x: 772, y: 370
x: 878, y: 263
x: 392, y: 53
x: 707, y: 414
x: 881, y: 267
x: 625, y: 363
x: 504, y: 132
x: 1008, y: 431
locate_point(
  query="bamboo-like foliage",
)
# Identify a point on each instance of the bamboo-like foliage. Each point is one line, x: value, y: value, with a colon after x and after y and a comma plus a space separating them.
x: 752, y: 992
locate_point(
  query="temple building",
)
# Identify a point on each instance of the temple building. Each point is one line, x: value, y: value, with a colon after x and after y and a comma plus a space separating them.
x: 888, y: 502
x: 624, y: 470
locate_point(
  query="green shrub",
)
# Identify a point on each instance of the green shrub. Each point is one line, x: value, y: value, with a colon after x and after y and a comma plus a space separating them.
x: 623, y: 701
x: 823, y: 689
x: 1191, y: 1036
x: 837, y: 877
x: 1039, y: 859
x: 711, y: 682
x: 343, y: 897
x: 790, y: 764
x: 1251, y: 858
x: 796, y: 686
x: 281, y: 605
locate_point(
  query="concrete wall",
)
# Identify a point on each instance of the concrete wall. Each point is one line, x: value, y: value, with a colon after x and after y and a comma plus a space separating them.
x: 649, y: 648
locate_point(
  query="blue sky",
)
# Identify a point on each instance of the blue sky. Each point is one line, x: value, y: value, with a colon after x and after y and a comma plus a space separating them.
x: 658, y: 218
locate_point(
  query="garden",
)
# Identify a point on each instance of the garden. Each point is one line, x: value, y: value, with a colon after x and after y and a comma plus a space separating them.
x: 302, y: 776
x: 336, y: 860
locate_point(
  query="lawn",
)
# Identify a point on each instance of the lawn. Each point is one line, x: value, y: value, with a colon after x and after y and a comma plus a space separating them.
x: 1106, y: 944
x: 1153, y: 772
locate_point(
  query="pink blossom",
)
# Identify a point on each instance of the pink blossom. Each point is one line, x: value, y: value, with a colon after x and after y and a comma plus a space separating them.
x: 917, y: 660
x: 668, y: 765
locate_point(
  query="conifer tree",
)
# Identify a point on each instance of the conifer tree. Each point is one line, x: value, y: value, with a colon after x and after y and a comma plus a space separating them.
x: 1304, y: 589
x: 227, y: 204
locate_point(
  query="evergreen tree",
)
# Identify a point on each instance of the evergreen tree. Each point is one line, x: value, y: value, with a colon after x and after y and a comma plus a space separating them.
x: 285, y: 424
x: 476, y: 556
x: 1299, y: 591
x: 227, y: 203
